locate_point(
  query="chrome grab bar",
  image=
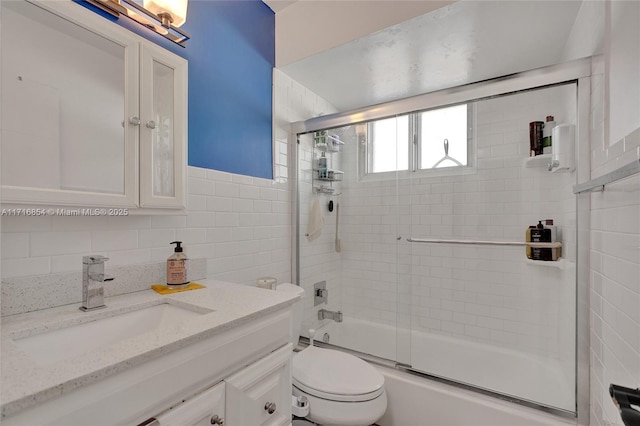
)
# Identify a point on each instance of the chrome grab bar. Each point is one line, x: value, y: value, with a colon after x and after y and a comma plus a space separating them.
x: 485, y: 243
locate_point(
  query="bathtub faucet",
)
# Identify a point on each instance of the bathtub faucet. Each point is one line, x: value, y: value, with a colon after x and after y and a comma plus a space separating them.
x: 326, y: 314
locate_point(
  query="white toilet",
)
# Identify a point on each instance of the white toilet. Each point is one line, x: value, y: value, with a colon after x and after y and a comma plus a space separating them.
x: 341, y: 388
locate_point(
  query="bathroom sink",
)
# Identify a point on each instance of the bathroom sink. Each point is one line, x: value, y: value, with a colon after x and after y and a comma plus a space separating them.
x: 100, y: 331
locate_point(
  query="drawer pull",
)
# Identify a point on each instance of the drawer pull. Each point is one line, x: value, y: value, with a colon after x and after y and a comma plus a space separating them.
x: 217, y: 420
x: 270, y: 407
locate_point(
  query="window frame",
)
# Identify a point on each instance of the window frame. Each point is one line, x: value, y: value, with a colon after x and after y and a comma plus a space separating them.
x: 369, y: 151
x: 415, y: 149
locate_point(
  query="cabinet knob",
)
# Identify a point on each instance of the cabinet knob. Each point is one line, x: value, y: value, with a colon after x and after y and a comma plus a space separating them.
x: 134, y: 120
x: 270, y: 407
x: 151, y: 124
x: 217, y: 420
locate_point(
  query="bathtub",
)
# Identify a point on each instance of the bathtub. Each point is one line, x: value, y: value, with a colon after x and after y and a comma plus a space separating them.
x: 414, y: 401
x: 527, y: 377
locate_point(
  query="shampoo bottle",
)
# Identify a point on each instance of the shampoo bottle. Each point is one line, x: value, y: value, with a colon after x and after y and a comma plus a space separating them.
x: 540, y: 235
x: 322, y: 166
x: 177, y: 268
x: 527, y: 238
x: 546, y: 134
x: 555, y: 237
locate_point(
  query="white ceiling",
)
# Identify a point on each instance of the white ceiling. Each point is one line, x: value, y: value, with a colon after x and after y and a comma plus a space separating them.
x: 307, y: 27
x: 464, y: 42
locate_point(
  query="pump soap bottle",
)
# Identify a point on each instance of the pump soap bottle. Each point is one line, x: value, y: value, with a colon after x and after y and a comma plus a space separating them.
x: 177, y: 268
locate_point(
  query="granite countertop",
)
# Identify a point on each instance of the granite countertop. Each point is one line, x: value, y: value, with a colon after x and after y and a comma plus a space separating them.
x: 26, y: 383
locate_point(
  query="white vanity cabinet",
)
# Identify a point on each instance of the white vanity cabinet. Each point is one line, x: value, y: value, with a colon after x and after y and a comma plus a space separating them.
x: 261, y: 393
x: 203, y: 410
x: 239, y: 377
x: 92, y: 114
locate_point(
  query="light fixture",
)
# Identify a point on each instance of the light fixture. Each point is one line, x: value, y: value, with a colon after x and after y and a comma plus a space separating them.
x: 162, y: 16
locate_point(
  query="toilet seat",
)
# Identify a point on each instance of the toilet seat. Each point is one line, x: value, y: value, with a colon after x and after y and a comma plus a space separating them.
x: 337, y: 397
x: 336, y: 376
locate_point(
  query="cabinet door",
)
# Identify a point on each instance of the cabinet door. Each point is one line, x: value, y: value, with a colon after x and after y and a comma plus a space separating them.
x: 163, y: 131
x: 205, y: 409
x: 67, y: 95
x: 261, y: 393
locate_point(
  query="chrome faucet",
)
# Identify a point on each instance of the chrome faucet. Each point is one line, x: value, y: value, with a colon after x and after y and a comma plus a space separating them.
x: 326, y: 314
x: 93, y: 279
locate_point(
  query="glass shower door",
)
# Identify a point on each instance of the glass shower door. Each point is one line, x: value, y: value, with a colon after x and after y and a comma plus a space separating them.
x: 361, y: 278
x: 488, y: 315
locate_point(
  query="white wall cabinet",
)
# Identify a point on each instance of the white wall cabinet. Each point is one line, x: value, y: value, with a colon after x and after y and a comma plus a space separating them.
x: 92, y: 114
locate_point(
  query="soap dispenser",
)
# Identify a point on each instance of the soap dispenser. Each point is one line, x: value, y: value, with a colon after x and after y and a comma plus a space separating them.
x: 177, y: 267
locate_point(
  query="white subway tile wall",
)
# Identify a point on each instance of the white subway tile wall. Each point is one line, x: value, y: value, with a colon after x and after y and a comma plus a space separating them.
x: 219, y: 226
x: 615, y: 266
x: 293, y: 102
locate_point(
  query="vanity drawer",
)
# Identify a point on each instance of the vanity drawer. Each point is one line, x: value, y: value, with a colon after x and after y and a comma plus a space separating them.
x: 260, y: 394
x: 201, y: 410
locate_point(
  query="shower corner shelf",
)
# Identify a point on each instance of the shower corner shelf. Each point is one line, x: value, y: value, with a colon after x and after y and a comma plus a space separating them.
x: 541, y: 160
x: 559, y: 264
x: 328, y: 143
x: 323, y: 179
x: 333, y: 176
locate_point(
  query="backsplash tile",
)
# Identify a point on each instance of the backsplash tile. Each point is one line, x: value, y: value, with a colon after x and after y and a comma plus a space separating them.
x: 32, y: 293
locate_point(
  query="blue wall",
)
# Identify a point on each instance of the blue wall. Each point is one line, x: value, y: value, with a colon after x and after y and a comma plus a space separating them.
x: 231, y: 57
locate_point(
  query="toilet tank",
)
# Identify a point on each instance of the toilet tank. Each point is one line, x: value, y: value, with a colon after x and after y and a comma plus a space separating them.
x: 296, y: 323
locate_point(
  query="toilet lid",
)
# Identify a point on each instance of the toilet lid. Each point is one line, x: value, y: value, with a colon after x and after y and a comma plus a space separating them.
x: 332, y: 372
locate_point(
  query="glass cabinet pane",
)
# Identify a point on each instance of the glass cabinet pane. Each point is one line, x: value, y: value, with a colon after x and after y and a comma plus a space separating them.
x: 63, y: 104
x: 163, y: 134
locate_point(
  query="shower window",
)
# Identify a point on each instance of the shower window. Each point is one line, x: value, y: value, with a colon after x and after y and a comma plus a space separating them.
x: 388, y: 145
x: 443, y: 137
x: 442, y: 141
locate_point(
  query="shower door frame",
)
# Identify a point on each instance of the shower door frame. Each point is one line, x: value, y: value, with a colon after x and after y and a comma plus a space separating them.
x: 578, y: 71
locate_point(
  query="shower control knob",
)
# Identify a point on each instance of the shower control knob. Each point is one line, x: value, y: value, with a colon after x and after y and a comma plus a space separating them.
x: 322, y: 292
x: 217, y: 420
x: 270, y: 407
